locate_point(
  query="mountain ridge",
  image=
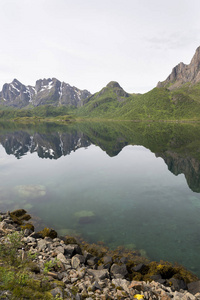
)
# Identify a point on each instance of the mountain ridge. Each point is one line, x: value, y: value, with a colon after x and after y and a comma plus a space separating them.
x: 46, y: 91
x: 183, y: 73
x: 176, y: 98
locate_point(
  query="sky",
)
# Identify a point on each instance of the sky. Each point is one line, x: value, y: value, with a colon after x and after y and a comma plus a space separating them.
x: 88, y: 43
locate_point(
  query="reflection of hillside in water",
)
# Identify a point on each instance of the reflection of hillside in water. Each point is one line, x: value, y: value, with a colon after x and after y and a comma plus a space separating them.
x: 188, y: 166
x: 178, y: 145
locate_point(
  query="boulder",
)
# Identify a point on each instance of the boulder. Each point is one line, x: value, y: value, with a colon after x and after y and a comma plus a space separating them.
x: 72, y: 249
x: 42, y: 245
x: 118, y: 271
x: 18, y: 213
x: 62, y: 258
x: 48, y: 232
x: 177, y: 284
x: 77, y: 260
x: 194, y: 287
x: 98, y: 274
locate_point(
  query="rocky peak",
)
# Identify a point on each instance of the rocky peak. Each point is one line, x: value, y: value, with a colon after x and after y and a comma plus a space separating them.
x: 113, y: 84
x: 183, y: 73
x: 117, y: 89
x: 15, y: 93
x: 46, y: 91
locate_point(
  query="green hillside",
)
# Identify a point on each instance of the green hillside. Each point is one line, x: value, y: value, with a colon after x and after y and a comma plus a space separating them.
x: 157, y: 104
x: 112, y: 102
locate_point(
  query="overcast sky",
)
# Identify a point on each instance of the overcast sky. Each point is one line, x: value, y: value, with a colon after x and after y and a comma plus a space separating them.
x: 88, y: 43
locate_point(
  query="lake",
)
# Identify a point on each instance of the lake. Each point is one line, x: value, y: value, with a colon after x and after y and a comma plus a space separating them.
x: 123, y: 183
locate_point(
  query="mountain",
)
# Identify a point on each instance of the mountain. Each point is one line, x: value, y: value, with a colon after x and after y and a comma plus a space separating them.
x: 45, y: 91
x: 176, y: 98
x: 106, y: 101
x: 183, y: 73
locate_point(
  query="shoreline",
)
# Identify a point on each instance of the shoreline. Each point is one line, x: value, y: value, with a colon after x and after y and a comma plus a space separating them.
x: 72, y: 269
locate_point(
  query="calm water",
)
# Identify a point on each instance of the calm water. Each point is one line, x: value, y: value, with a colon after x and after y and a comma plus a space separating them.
x: 110, y: 183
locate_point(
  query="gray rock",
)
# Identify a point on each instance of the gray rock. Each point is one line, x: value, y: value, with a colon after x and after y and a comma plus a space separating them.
x: 117, y: 270
x: 177, y: 284
x: 92, y: 261
x: 74, y: 279
x: 42, y: 244
x: 77, y: 260
x: 29, y: 239
x: 59, y: 249
x: 57, y: 292
x: 121, y: 282
x: 87, y: 255
x: 194, y: 287
x: 156, y: 277
x: 107, y: 260
x: 96, y: 286
x: 62, y: 258
x: 4, y: 225
x: 139, y: 268
x: 36, y: 235
x: 72, y: 249
x: 187, y: 296
x: 98, y: 274
x: 27, y: 232
x: 123, y: 260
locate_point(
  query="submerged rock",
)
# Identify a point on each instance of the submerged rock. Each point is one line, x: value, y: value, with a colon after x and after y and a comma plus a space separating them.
x: 31, y: 191
x: 85, y: 217
x: 86, y: 220
x: 74, y: 273
x: 84, y: 213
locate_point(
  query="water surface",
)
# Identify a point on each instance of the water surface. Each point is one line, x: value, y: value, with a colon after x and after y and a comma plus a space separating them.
x: 127, y: 184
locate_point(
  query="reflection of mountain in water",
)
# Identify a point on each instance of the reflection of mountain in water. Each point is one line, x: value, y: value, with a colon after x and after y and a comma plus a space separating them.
x: 178, y: 145
x: 188, y: 166
x: 50, y: 146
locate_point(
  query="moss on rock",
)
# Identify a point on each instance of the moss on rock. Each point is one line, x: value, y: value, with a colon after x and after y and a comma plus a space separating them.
x: 48, y: 232
x: 27, y: 226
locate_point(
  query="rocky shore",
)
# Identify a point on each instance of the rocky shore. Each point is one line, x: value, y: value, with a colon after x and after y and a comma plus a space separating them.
x: 51, y: 267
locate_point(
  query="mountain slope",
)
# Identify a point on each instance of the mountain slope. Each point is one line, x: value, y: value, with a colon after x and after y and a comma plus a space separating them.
x: 183, y: 73
x: 176, y: 98
x: 46, y: 91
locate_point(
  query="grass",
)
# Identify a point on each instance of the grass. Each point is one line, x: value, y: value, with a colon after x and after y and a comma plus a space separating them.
x: 17, y: 274
x: 113, y: 103
x: 157, y: 104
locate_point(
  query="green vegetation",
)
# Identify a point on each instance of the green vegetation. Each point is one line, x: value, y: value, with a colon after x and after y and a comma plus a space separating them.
x: 36, y: 114
x: 17, y: 273
x: 112, y: 102
x: 158, y: 104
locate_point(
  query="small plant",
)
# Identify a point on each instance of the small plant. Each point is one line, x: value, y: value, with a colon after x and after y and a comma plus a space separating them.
x: 7, y: 276
x: 32, y: 256
x: 22, y: 278
x: 58, y: 297
x: 49, y: 265
x: 9, y: 247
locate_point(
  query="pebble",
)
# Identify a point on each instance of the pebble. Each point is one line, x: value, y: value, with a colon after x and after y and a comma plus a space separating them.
x: 78, y: 272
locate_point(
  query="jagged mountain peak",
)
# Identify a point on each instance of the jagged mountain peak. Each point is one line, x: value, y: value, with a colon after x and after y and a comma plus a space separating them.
x: 49, y: 91
x: 183, y: 73
x: 15, y: 81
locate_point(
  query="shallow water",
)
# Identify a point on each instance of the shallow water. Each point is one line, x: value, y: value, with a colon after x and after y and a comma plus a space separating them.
x: 128, y: 197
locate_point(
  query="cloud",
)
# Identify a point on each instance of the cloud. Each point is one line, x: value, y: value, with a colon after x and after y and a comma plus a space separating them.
x: 175, y: 40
